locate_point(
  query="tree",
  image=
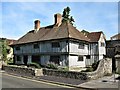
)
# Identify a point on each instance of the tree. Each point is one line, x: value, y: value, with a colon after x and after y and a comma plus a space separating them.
x: 85, y: 32
x: 4, y: 51
x: 66, y: 16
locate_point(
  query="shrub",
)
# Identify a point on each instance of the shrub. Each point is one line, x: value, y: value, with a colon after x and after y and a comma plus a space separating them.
x: 52, y: 66
x: 34, y: 65
x: 63, y: 68
x: 95, y: 65
x: 10, y: 62
x: 89, y: 69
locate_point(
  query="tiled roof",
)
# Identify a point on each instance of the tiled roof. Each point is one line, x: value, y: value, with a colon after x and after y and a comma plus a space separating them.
x: 9, y: 41
x: 94, y: 36
x: 65, y: 30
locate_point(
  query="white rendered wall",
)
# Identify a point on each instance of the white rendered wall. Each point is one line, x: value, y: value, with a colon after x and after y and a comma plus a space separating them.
x: 102, y: 50
x: 73, y: 62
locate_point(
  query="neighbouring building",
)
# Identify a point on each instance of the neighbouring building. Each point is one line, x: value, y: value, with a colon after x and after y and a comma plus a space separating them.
x: 116, y: 37
x: 113, y: 50
x: 60, y: 43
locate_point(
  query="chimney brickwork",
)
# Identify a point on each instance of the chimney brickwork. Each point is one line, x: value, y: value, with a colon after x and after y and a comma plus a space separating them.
x: 58, y: 19
x: 37, y: 25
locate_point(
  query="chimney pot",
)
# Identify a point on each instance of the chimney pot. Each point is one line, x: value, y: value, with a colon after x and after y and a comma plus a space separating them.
x: 58, y: 19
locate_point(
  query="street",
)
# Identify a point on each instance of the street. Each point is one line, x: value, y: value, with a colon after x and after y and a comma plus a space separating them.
x: 10, y: 81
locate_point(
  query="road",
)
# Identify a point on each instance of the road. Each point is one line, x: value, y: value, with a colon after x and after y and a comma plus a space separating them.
x: 10, y: 81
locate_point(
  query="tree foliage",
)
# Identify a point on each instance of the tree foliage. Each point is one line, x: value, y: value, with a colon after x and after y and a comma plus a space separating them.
x: 66, y: 16
x: 4, y: 50
x: 85, y: 32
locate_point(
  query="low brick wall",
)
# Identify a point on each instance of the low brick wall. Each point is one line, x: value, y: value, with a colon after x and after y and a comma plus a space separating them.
x: 66, y: 74
x: 23, y: 71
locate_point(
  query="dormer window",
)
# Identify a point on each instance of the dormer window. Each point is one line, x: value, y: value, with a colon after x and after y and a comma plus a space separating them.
x: 55, y: 44
x: 36, y: 46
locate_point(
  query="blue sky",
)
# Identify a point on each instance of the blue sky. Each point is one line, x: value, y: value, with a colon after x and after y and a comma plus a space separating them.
x: 18, y: 17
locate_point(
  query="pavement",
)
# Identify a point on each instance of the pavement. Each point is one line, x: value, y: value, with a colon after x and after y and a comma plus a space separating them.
x: 104, y: 83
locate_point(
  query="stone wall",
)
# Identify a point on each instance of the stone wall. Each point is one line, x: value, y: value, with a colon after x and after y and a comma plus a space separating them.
x: 22, y: 70
x: 66, y: 74
x: 104, y: 68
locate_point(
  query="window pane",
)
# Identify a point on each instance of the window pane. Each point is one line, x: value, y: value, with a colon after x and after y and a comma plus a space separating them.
x: 18, y: 58
x: 88, y: 57
x: 17, y: 48
x: 80, y: 58
x: 36, y: 46
x: 81, y: 46
x: 102, y: 44
x: 55, y: 44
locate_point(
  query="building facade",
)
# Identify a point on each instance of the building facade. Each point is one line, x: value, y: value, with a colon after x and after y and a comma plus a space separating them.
x: 116, y: 37
x: 60, y: 43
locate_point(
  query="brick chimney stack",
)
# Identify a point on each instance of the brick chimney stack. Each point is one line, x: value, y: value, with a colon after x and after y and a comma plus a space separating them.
x: 58, y: 19
x: 37, y: 25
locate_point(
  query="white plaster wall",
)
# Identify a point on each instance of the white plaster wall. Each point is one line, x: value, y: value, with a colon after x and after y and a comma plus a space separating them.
x: 75, y: 50
x: 102, y: 50
x: 73, y: 62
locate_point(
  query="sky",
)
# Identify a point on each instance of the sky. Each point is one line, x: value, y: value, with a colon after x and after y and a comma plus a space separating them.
x: 17, y: 18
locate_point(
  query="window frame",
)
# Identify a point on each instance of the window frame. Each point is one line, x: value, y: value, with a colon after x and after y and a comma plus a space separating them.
x: 18, y: 58
x: 81, y: 46
x: 55, y: 45
x: 36, y: 46
x: 102, y: 44
x: 17, y: 48
x: 88, y: 57
x: 80, y: 57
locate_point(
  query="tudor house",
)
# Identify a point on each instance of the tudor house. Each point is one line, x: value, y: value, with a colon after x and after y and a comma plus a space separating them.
x: 60, y: 43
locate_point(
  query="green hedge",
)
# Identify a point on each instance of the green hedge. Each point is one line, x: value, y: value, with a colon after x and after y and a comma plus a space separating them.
x: 34, y: 65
